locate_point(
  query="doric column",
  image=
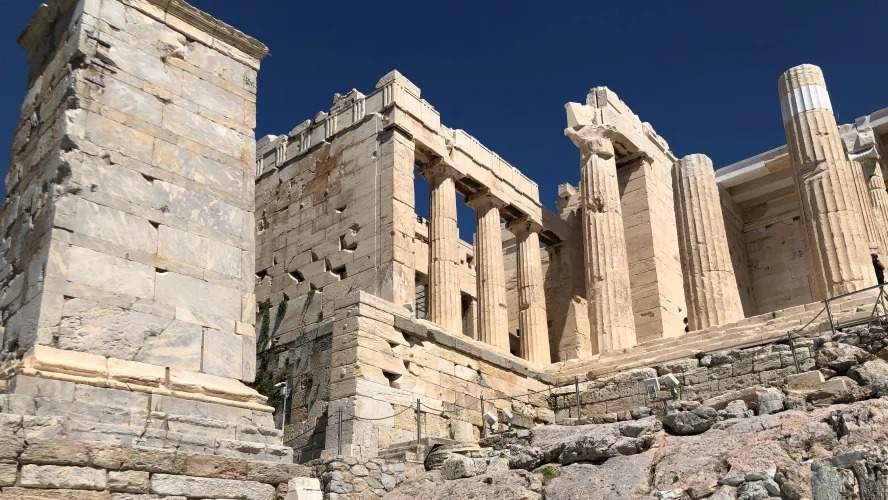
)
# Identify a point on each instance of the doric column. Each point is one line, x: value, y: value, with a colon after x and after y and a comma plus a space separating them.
x: 493, y: 317
x: 444, y: 298
x: 532, y: 318
x: 709, y: 281
x: 604, y: 242
x: 831, y: 211
x: 872, y: 171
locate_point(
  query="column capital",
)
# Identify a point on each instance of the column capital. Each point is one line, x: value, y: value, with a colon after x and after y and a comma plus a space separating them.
x: 438, y: 168
x: 592, y: 139
x: 524, y: 225
x: 484, y: 199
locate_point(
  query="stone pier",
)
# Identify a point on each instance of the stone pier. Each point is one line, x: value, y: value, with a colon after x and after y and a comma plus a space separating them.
x: 493, y: 319
x: 831, y: 210
x: 444, y: 293
x: 710, y: 283
x: 607, y: 273
x: 532, y: 320
x: 127, y: 269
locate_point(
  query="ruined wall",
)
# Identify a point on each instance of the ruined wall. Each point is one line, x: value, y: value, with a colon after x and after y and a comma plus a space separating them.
x: 737, y: 246
x: 129, y: 313
x: 383, y: 360
x: 655, y: 274
x: 775, y: 245
x: 133, y: 161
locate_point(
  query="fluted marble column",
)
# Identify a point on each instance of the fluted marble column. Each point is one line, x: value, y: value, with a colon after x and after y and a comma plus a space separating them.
x: 608, y: 291
x: 532, y: 318
x: 444, y: 298
x: 872, y: 171
x: 709, y: 281
x: 831, y: 211
x: 493, y: 317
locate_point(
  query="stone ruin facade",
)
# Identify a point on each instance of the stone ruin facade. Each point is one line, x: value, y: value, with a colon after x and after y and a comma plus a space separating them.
x: 366, y: 305
x: 127, y: 262
x: 165, y: 275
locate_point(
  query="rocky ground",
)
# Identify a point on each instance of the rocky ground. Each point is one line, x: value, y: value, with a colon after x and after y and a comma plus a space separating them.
x: 817, y: 437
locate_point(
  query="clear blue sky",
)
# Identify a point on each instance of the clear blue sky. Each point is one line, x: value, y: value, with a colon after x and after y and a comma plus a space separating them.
x: 703, y: 73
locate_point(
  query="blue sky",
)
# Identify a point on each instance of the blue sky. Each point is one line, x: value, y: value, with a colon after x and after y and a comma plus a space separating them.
x: 703, y: 73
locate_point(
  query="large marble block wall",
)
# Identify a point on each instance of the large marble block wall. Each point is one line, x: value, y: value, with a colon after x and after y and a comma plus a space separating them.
x: 129, y: 228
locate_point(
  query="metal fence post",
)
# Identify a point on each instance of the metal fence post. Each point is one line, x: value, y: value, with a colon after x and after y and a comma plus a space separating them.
x: 577, y: 390
x: 795, y: 357
x: 418, y: 429
x: 483, y: 427
x: 339, y: 435
x: 832, y: 324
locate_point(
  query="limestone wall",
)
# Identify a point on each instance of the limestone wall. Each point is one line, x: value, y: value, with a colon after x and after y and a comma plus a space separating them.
x: 40, y: 462
x: 658, y: 301
x: 718, y: 377
x: 763, y: 223
x: 381, y: 361
x: 133, y: 160
x: 733, y: 219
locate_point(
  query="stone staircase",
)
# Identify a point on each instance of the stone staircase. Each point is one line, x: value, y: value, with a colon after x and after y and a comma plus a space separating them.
x: 761, y: 329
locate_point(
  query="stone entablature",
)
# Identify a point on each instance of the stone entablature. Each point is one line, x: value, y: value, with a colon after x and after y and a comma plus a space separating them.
x: 398, y: 99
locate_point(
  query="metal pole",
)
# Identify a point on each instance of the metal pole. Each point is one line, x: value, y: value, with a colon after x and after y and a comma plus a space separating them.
x: 832, y: 324
x: 875, y: 307
x: 286, y: 407
x: 483, y: 427
x: 795, y: 357
x: 339, y: 435
x: 577, y: 390
x: 418, y: 429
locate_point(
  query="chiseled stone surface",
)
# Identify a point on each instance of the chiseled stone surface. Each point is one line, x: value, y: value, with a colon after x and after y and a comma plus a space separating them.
x: 54, y: 476
x: 201, y: 487
x: 146, y: 230
x: 710, y: 284
x: 825, y: 179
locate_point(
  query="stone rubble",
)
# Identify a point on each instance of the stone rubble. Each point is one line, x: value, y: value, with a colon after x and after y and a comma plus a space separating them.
x: 784, y: 441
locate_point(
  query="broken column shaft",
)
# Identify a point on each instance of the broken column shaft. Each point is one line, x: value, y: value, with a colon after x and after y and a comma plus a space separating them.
x: 709, y: 280
x: 608, y: 290
x: 831, y: 210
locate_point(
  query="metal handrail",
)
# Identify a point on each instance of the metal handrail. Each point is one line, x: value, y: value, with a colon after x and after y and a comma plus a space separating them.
x: 832, y: 323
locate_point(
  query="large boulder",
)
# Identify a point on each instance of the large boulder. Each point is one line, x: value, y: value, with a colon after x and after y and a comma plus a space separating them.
x: 872, y: 373
x: 567, y: 444
x: 840, y: 357
x: 770, y: 401
x: 502, y: 485
x: 618, y: 478
x: 524, y: 457
x: 459, y: 466
x: 688, y: 423
x: 838, y: 389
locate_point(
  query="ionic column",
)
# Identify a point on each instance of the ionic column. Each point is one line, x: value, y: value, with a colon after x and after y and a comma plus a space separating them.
x: 709, y: 280
x: 831, y: 211
x: 532, y: 318
x: 444, y: 298
x: 493, y: 317
x: 872, y: 171
x: 608, y: 291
